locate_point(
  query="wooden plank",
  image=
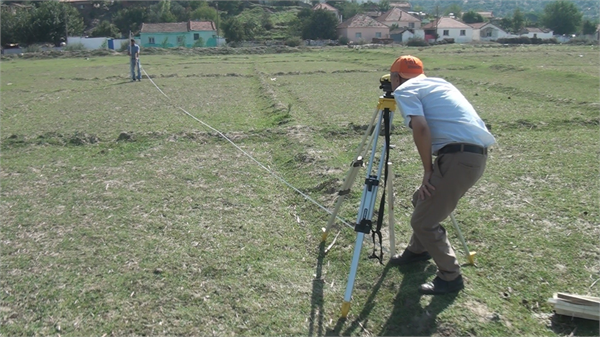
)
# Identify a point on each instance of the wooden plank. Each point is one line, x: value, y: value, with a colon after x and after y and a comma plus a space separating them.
x: 564, y: 304
x: 576, y: 310
x: 579, y: 299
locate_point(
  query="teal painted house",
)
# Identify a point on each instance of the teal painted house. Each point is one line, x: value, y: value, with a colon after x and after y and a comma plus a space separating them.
x: 179, y: 34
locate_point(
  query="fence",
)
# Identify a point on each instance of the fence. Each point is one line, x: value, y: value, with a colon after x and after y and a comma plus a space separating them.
x: 98, y: 42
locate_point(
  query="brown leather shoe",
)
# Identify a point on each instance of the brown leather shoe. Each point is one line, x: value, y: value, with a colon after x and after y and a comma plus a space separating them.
x: 440, y: 287
x: 409, y: 257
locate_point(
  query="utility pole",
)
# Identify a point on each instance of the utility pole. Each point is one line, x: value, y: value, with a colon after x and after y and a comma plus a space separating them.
x: 437, y: 20
x: 66, y: 27
x: 217, y: 4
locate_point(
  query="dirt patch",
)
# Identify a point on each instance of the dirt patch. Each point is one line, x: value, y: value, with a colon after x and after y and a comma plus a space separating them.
x: 125, y: 136
x: 482, y: 312
x: 80, y: 138
x: 329, y: 186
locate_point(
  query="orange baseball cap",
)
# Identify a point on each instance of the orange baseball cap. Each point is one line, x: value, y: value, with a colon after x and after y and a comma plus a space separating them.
x: 407, y: 66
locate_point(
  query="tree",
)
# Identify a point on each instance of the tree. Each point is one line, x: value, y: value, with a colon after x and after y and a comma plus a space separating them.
x: 472, y: 17
x: 130, y: 19
x: 454, y: 9
x: 506, y: 24
x: 11, y: 25
x: 588, y: 27
x: 348, y: 9
x: 205, y: 13
x: 161, y: 12
x: 181, y: 13
x: 265, y: 21
x: 232, y: 8
x: 562, y: 17
x: 532, y: 19
x: 384, y: 5
x: 233, y: 30
x: 320, y: 25
x: 106, y: 29
x: 518, y: 21
x: 52, y: 21
x: 304, y: 13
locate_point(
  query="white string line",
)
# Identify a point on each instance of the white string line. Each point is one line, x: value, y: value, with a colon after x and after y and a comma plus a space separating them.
x: 248, y: 155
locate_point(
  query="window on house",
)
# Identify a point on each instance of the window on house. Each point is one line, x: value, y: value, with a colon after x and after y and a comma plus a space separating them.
x: 151, y: 40
x: 489, y: 33
x: 358, y: 35
x: 463, y: 32
x: 411, y: 25
x: 446, y: 32
x: 377, y: 34
x: 196, y: 36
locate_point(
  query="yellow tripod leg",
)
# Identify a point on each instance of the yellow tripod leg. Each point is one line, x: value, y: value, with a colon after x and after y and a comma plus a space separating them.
x: 345, y: 309
x: 470, y: 255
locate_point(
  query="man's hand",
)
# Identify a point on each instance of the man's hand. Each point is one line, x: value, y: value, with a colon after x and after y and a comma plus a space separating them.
x: 426, y: 188
x: 422, y: 138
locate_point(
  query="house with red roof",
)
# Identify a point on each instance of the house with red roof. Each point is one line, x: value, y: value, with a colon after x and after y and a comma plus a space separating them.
x: 179, y: 34
x: 400, y: 18
x: 363, y: 28
x: 329, y: 8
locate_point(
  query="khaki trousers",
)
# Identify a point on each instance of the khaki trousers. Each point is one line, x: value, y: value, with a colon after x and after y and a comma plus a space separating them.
x: 453, y: 174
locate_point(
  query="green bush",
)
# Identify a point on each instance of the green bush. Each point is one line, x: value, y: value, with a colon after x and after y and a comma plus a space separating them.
x: 199, y: 43
x: 34, y: 48
x: 293, y: 42
x: 124, y: 46
x: 74, y: 46
x: 417, y: 42
x: 343, y: 40
x: 526, y: 40
x: 585, y: 40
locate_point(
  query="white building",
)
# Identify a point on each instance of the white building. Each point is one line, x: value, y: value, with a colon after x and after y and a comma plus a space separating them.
x: 448, y: 28
x: 486, y: 31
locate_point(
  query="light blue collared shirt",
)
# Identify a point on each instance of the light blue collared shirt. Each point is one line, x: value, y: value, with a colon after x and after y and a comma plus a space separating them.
x: 450, y: 117
x: 133, y: 50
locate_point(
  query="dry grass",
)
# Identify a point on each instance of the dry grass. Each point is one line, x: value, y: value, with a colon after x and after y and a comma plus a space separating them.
x: 121, y: 215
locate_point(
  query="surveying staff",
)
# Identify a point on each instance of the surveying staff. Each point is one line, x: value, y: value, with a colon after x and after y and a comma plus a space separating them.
x: 134, y: 54
x: 444, y: 124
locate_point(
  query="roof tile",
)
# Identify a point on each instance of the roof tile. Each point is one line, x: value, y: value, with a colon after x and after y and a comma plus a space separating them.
x: 178, y: 27
x: 361, y: 20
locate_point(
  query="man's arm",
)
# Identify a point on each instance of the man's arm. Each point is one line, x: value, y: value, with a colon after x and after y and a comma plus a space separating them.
x: 422, y: 139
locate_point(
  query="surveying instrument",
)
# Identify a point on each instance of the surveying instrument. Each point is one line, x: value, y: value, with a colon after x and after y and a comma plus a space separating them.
x: 380, y: 121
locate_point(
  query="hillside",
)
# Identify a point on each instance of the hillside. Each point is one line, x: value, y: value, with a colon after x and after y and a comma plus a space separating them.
x: 589, y: 8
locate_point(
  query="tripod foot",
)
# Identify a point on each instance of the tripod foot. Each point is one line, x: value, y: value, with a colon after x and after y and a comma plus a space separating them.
x: 471, y: 258
x: 324, y: 236
x: 345, y: 309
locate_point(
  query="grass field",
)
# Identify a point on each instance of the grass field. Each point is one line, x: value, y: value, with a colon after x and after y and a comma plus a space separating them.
x: 122, y: 215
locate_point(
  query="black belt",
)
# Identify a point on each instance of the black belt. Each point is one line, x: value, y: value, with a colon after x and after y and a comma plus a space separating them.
x: 460, y: 147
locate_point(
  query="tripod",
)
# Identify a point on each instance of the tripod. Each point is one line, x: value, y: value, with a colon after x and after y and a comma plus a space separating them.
x: 381, y: 118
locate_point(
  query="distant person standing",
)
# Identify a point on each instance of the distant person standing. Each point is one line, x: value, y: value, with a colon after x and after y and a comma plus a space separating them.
x: 134, y: 54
